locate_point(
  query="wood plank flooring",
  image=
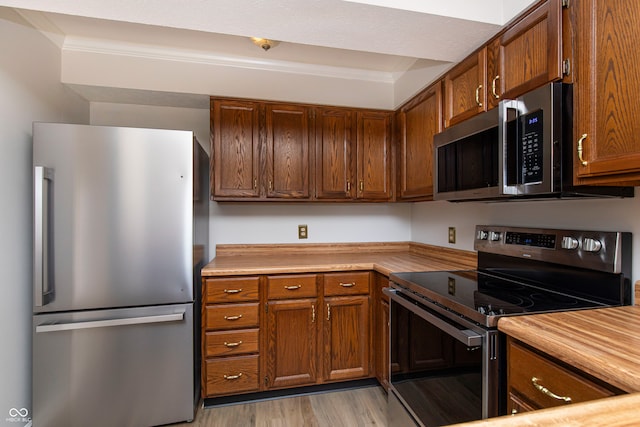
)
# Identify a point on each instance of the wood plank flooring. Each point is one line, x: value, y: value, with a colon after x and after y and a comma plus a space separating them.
x: 359, y: 407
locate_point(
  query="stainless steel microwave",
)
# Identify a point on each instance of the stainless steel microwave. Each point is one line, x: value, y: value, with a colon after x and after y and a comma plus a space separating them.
x: 520, y: 150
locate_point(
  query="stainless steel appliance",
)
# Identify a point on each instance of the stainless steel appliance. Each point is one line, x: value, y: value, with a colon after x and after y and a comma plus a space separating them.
x: 447, y: 355
x: 521, y: 149
x: 120, y: 235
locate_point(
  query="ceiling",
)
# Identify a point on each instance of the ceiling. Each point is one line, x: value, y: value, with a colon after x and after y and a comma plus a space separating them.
x: 374, y: 39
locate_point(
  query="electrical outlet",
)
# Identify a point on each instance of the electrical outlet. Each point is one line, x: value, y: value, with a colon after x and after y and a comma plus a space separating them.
x: 302, y: 231
x: 452, y: 234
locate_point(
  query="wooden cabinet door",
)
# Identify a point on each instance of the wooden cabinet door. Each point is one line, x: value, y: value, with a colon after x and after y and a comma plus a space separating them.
x: 373, y: 143
x: 334, y: 160
x: 382, y: 349
x: 606, y: 92
x: 527, y: 55
x: 287, y: 149
x: 235, y: 148
x: 346, y: 338
x: 420, y: 120
x: 291, y: 343
x: 465, y: 89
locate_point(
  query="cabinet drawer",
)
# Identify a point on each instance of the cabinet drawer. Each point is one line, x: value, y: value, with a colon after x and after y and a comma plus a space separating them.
x: 231, y: 316
x: 231, y: 375
x: 231, y: 289
x: 535, y: 378
x: 292, y: 286
x: 229, y: 343
x: 356, y: 283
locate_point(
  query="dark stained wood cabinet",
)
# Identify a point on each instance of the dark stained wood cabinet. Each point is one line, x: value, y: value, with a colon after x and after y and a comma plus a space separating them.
x: 419, y: 120
x: 527, y: 54
x: 292, y: 327
x: 535, y: 381
x: 374, y: 154
x: 606, y: 92
x: 353, y: 154
x: 381, y: 329
x: 291, y: 343
x: 230, y: 335
x: 235, y: 144
x: 465, y: 88
x: 347, y: 334
x: 335, y: 157
x: 288, y: 151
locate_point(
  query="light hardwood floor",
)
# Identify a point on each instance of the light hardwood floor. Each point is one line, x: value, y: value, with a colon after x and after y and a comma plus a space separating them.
x: 345, y: 408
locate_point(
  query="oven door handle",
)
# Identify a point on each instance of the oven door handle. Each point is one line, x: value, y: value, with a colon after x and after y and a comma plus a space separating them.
x: 465, y: 336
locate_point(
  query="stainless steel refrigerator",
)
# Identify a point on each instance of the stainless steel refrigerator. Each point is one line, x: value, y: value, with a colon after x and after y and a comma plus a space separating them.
x: 120, y: 235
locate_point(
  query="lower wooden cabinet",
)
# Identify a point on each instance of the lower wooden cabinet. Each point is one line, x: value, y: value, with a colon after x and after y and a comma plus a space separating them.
x: 230, y: 336
x: 272, y: 332
x: 536, y: 381
x: 291, y: 343
x: 346, y: 338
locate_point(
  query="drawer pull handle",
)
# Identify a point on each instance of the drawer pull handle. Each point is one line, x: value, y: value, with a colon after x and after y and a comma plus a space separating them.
x: 293, y: 288
x: 232, y: 291
x: 239, y: 316
x: 548, y: 392
x: 348, y: 285
x: 232, y: 377
x: 232, y: 344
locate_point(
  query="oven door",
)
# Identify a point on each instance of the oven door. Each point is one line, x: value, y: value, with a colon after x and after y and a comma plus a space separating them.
x: 443, y: 371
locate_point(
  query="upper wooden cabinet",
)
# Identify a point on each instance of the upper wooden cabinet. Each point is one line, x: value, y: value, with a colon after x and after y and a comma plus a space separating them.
x: 265, y: 151
x: 334, y: 158
x: 288, y: 150
x: 527, y: 54
x: 419, y: 120
x: 606, y: 92
x: 353, y: 154
x: 465, y: 88
x: 374, y: 149
x: 236, y: 148
x: 260, y: 150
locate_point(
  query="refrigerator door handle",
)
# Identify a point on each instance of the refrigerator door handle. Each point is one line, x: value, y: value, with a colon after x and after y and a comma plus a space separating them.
x: 163, y: 318
x: 42, y: 290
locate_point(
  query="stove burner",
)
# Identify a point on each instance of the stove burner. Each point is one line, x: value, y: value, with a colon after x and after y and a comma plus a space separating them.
x: 554, y: 299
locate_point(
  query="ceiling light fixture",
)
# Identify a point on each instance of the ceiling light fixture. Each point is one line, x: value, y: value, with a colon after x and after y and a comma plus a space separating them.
x: 263, y: 43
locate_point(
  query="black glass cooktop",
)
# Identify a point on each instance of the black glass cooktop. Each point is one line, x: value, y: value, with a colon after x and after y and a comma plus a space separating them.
x: 487, y: 294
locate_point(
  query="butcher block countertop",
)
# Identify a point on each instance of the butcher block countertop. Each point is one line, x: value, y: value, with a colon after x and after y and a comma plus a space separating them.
x: 602, y: 342
x: 385, y: 258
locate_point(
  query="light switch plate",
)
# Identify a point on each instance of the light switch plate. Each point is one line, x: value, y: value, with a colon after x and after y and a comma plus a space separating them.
x: 452, y: 234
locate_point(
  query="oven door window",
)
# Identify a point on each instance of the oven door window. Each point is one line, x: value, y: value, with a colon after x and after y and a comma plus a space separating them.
x: 436, y: 376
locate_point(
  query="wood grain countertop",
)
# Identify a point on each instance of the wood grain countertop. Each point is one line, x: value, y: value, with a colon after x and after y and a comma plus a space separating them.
x: 603, y: 342
x: 385, y: 258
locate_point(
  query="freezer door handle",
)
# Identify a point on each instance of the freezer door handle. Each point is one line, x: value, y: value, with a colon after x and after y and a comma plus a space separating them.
x: 42, y: 285
x: 163, y: 318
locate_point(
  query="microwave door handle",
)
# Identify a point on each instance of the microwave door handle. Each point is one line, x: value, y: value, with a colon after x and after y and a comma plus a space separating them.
x: 507, y: 107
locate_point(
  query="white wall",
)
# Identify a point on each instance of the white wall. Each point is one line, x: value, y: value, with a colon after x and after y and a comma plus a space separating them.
x: 430, y: 220
x: 31, y: 91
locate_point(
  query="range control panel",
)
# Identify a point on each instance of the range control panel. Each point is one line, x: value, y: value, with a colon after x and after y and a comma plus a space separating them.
x: 597, y: 250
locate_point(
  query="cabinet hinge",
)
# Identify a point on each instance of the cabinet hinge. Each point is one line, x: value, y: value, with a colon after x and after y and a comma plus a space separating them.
x: 266, y: 307
x: 565, y: 3
x: 566, y: 67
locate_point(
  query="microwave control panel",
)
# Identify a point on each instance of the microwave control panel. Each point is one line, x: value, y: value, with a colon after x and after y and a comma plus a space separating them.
x: 531, y: 147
